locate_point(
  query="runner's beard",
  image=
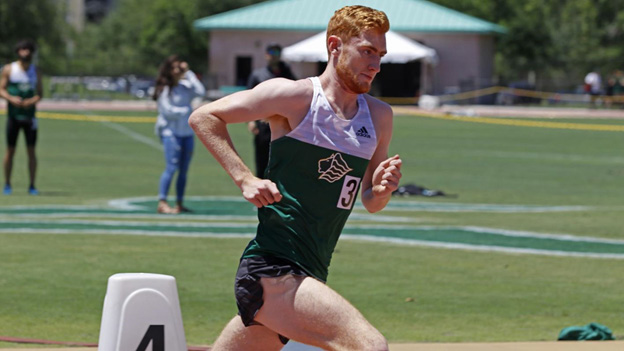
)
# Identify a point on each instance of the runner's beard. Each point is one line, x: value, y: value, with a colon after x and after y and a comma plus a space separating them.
x: 349, y: 78
x: 25, y: 59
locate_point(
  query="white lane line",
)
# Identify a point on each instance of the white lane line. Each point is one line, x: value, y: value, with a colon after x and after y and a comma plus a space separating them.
x: 135, y: 204
x: 416, y: 206
x: 484, y: 248
x: 134, y: 223
x: 128, y: 132
x: 553, y: 157
x: 368, y: 238
x: 134, y: 135
x: 381, y: 227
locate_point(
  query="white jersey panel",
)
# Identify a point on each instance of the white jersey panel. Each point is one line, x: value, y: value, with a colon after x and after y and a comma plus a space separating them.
x: 18, y: 75
x: 322, y: 127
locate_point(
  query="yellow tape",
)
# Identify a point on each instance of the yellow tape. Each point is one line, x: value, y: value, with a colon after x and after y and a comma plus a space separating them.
x: 90, y: 118
x: 488, y: 120
x: 400, y: 100
x: 471, y: 94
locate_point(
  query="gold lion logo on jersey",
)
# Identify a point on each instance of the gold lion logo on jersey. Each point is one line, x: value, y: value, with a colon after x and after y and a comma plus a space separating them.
x: 333, y: 168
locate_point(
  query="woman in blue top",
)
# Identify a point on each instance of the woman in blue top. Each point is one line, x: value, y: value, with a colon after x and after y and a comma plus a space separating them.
x: 176, y: 86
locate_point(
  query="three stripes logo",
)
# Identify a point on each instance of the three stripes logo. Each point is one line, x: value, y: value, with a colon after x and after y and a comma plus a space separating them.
x: 333, y: 168
x: 362, y: 132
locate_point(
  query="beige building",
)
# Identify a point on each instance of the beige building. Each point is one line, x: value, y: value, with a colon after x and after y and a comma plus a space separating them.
x: 465, y: 45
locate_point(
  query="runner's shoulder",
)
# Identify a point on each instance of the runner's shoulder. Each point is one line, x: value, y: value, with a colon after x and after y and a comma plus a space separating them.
x: 287, y: 88
x: 6, y: 69
x: 378, y: 108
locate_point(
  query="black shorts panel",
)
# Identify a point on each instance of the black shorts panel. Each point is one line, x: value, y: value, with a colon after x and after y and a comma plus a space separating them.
x: 12, y: 131
x: 247, y: 288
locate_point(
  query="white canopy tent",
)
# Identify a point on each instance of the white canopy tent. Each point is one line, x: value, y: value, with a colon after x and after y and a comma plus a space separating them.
x: 400, y: 50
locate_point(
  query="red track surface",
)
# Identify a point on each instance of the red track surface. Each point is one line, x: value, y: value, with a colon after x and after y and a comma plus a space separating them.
x: 70, y: 343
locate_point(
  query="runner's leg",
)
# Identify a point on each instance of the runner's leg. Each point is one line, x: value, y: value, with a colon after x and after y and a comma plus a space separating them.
x: 308, y: 311
x: 30, y: 131
x: 12, y: 133
x: 8, y: 164
x: 32, y: 164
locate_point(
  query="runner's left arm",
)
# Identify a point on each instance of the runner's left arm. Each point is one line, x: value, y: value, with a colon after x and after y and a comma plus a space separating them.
x: 38, y: 92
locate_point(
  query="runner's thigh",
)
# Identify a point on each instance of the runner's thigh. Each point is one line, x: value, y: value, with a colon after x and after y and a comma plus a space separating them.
x: 308, y: 311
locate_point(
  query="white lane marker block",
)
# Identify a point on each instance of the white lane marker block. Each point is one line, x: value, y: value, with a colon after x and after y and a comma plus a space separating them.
x: 142, y: 312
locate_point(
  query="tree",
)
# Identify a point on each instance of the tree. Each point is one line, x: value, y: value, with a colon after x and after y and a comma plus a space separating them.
x: 37, y: 20
x: 168, y: 29
x: 139, y: 34
x: 559, y: 41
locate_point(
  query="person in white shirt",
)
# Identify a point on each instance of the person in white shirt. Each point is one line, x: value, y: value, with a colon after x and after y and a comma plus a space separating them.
x: 593, y: 84
x: 176, y: 87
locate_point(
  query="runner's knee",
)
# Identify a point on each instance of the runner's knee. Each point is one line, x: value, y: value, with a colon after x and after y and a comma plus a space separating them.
x: 369, y: 340
x: 376, y: 342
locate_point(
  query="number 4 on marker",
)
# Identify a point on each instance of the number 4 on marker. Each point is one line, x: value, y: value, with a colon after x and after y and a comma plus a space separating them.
x: 155, y: 334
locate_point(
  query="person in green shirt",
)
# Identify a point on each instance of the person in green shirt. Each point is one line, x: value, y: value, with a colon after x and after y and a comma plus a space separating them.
x: 20, y: 85
x: 328, y: 139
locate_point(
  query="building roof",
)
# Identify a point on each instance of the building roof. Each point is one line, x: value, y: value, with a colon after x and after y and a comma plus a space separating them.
x: 313, y: 15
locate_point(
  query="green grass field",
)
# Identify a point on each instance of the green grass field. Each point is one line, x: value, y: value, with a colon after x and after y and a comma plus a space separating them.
x: 545, y: 181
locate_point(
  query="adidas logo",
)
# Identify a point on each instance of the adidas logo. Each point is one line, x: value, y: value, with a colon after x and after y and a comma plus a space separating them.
x: 362, y: 132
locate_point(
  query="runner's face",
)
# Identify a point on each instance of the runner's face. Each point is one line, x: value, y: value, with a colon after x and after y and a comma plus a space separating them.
x: 24, y: 55
x: 360, y: 60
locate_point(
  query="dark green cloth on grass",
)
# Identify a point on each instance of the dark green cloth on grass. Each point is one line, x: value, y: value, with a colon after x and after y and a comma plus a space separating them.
x: 591, y: 331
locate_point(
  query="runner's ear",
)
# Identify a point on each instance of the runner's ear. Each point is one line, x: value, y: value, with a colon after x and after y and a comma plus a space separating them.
x: 334, y: 44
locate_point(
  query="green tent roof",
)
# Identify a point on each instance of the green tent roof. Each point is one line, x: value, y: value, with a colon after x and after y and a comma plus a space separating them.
x: 313, y: 15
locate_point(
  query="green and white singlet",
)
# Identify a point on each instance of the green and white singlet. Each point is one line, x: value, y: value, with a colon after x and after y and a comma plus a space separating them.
x: 22, y: 83
x: 318, y: 168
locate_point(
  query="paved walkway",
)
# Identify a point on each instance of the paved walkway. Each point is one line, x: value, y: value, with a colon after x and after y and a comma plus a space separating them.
x: 69, y: 105
x: 515, y: 346
x: 477, y: 110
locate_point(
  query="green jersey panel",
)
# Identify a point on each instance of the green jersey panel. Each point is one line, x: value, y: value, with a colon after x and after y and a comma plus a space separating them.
x: 319, y: 187
x: 25, y: 91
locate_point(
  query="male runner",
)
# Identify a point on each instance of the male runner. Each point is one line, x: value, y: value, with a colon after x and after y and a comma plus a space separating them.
x: 328, y: 138
x: 20, y: 85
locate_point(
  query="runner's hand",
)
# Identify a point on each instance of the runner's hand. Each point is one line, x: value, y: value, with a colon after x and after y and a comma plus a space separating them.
x: 16, y: 101
x: 387, y: 175
x: 260, y: 192
x: 28, y: 102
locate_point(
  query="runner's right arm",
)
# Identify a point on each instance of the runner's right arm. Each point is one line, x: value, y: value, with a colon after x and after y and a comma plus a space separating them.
x: 276, y: 98
x: 4, y: 82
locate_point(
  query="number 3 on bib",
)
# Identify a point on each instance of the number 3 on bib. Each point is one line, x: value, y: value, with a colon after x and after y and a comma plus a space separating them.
x: 349, y: 190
